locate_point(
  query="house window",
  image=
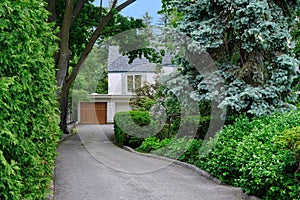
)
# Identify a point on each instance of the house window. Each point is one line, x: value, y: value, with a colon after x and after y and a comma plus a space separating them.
x: 133, y: 82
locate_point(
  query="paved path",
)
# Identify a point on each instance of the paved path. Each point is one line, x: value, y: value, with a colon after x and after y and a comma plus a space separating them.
x: 90, y: 167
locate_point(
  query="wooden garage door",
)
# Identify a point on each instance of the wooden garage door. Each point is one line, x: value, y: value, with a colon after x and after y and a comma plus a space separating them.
x: 93, y: 113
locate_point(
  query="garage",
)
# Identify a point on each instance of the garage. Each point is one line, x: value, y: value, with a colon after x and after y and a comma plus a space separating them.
x: 122, y: 106
x: 93, y: 113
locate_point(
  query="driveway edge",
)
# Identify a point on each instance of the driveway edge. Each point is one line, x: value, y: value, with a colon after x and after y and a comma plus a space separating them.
x: 192, y: 167
x: 64, y: 137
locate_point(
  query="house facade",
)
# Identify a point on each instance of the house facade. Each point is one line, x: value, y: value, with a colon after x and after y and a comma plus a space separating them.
x: 123, y: 79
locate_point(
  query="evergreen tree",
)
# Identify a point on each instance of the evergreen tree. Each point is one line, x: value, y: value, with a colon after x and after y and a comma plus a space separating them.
x: 248, y: 41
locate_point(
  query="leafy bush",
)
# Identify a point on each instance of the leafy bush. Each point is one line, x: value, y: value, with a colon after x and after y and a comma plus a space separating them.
x: 289, y: 139
x: 191, y: 155
x: 184, y: 149
x: 28, y: 130
x: 175, y: 148
x: 152, y: 144
x: 144, y: 97
x: 246, y: 154
x: 190, y: 122
x: 131, y: 127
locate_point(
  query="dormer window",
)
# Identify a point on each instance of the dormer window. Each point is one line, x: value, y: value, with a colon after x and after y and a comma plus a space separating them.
x: 133, y: 82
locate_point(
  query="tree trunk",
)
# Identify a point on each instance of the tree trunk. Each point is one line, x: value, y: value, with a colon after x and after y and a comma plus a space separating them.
x: 64, y: 80
x: 52, y: 9
x: 64, y: 93
x: 65, y: 53
x: 63, y: 101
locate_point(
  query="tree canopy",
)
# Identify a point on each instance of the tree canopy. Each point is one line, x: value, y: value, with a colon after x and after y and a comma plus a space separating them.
x: 249, y: 43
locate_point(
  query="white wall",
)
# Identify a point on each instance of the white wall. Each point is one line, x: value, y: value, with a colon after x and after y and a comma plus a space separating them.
x: 122, y: 106
x: 168, y: 70
x: 150, y: 78
x: 117, y: 83
x: 114, y: 83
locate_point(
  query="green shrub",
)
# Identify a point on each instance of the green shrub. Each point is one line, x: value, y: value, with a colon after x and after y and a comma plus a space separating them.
x: 289, y: 139
x: 184, y: 149
x: 175, y: 148
x: 195, y: 126
x: 152, y: 144
x: 29, y: 119
x: 132, y: 127
x: 191, y: 155
x: 245, y: 154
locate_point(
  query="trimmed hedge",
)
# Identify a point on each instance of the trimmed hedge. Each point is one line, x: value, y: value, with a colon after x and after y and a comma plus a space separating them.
x: 258, y: 156
x: 132, y: 127
x: 29, y: 119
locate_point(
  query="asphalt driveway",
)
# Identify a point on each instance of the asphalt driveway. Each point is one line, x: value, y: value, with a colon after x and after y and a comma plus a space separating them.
x: 90, y: 167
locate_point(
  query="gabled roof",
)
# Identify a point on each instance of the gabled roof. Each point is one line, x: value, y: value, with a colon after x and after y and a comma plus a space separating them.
x: 139, y: 65
x: 118, y: 63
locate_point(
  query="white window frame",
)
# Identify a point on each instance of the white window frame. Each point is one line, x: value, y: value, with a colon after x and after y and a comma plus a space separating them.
x: 133, y: 87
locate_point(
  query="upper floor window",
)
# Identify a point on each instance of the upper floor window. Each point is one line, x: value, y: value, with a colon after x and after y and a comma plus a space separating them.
x: 133, y: 82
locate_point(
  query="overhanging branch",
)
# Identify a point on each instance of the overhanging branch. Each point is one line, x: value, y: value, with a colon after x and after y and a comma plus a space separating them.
x: 77, y: 10
x: 92, y: 41
x: 124, y: 5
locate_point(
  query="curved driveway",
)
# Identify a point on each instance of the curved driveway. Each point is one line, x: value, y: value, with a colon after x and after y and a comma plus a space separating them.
x: 90, y: 167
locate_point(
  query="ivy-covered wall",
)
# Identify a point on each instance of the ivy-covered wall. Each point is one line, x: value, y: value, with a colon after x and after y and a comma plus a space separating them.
x: 29, y: 117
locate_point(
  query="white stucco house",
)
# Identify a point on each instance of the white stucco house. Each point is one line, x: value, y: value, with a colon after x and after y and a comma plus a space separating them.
x: 123, y: 79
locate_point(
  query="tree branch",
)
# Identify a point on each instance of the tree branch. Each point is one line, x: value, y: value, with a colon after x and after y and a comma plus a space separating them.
x: 77, y: 10
x: 101, y: 9
x: 124, y: 5
x: 114, y: 4
x: 65, y: 52
x: 52, y: 9
x: 92, y: 41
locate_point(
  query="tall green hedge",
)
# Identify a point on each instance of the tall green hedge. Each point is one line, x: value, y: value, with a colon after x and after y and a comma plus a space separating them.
x: 28, y: 130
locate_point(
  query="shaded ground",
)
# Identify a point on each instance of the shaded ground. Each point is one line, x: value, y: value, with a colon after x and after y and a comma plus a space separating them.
x: 90, y: 167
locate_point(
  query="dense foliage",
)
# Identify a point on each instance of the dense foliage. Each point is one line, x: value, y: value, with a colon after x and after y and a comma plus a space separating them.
x: 184, y: 149
x: 152, y: 98
x: 28, y: 130
x: 296, y: 34
x: 248, y: 41
x: 132, y: 127
x: 259, y: 155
